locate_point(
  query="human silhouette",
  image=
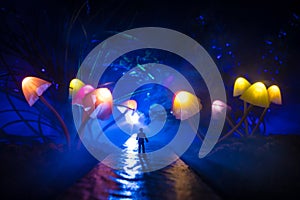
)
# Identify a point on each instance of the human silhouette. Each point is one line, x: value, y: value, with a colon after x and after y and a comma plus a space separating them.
x: 141, y: 137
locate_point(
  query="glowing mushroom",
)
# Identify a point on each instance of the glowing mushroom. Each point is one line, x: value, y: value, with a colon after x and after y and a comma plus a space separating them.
x: 99, y: 103
x: 128, y: 109
x: 78, y: 101
x: 274, y: 97
x: 275, y: 94
x: 219, y: 108
x: 131, y: 116
x: 33, y: 89
x: 129, y: 104
x: 74, y: 87
x: 96, y: 104
x: 132, y: 104
x: 78, y: 97
x: 256, y: 95
x: 240, y: 86
x: 185, y: 105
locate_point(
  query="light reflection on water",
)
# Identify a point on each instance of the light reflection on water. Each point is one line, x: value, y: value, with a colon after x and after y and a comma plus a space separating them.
x: 132, y: 162
x: 128, y: 181
x: 130, y: 175
x: 131, y: 144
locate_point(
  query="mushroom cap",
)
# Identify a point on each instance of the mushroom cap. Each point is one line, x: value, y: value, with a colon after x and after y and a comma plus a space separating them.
x: 132, y: 104
x: 102, y: 111
x: 75, y: 85
x: 185, y: 105
x: 275, y: 94
x: 103, y: 95
x: 33, y: 87
x: 98, y: 103
x: 257, y: 95
x: 82, y: 92
x: 219, y: 108
x: 240, y: 86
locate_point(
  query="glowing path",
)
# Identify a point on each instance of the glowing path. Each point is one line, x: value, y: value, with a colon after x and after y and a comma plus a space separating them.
x: 176, y: 181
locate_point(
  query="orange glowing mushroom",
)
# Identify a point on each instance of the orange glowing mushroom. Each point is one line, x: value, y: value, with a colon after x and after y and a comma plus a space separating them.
x: 185, y: 105
x: 127, y: 105
x: 132, y: 104
x: 33, y: 89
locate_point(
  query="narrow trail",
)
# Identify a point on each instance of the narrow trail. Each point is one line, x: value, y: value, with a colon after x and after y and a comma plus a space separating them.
x: 128, y: 181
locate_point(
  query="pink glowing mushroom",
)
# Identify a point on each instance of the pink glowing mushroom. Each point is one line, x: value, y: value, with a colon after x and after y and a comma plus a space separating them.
x: 220, y: 108
x: 80, y: 94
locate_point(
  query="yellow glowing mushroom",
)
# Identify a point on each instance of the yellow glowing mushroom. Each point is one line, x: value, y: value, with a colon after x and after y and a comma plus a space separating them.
x: 257, y: 95
x: 33, y: 88
x: 240, y: 86
x: 275, y: 94
x: 74, y: 86
x: 185, y: 105
x: 274, y: 97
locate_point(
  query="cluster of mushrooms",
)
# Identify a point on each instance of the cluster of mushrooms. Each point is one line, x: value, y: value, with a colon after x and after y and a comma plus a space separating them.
x: 97, y: 103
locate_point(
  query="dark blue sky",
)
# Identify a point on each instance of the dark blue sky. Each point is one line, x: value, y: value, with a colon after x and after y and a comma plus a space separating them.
x: 246, y: 26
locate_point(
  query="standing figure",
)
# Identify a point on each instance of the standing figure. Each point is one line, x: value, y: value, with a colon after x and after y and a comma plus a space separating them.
x: 141, y: 137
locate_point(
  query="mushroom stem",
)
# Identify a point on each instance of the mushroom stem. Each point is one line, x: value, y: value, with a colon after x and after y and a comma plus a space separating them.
x: 195, y: 130
x: 260, y: 120
x: 232, y: 126
x: 237, y: 126
x: 80, y: 129
x: 66, y: 132
x: 246, y: 120
x: 121, y: 105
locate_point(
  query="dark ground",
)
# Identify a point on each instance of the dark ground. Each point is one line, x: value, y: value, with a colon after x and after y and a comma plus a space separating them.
x: 248, y: 168
x: 258, y: 167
